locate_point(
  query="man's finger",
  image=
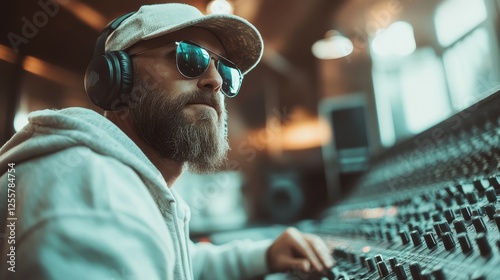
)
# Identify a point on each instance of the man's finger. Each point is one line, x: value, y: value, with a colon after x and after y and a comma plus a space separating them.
x: 321, y: 250
x: 302, y: 246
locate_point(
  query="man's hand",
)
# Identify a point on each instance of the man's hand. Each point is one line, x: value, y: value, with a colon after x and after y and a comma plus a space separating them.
x: 293, y: 249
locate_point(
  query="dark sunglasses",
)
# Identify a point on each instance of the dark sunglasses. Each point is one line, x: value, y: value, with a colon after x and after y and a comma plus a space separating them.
x: 193, y: 60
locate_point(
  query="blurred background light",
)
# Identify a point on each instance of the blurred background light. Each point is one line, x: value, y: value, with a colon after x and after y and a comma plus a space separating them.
x: 7, y: 54
x: 454, y: 18
x: 333, y: 46
x: 21, y: 118
x: 423, y: 79
x: 306, y: 134
x: 397, y: 39
x: 220, y: 7
x: 50, y: 71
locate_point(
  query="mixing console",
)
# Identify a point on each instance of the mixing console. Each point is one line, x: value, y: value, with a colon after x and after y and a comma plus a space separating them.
x: 427, y: 208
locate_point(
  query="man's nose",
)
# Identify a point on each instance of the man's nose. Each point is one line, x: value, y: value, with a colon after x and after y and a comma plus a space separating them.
x: 211, y: 79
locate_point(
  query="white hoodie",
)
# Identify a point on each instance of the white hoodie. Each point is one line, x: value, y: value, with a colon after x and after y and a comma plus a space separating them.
x: 88, y: 204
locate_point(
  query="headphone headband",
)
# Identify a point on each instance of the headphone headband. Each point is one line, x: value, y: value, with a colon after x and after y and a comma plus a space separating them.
x: 100, y: 46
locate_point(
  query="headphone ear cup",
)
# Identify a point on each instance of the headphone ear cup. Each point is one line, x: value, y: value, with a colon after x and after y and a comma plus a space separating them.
x: 109, y: 80
x: 127, y: 73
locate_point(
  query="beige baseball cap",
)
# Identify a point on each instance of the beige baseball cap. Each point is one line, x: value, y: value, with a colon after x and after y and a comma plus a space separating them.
x: 241, y: 40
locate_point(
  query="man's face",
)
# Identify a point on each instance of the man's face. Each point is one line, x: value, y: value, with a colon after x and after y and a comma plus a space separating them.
x: 182, y: 119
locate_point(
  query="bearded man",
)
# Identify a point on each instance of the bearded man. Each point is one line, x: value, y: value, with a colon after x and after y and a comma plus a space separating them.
x: 94, y: 195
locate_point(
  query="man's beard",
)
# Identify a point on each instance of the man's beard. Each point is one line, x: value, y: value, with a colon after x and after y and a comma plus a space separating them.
x: 160, y: 121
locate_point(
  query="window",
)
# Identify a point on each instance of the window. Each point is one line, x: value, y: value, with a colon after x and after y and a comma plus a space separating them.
x: 415, y: 90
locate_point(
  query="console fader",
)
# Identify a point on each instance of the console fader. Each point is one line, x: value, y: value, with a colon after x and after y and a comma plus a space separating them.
x: 429, y: 208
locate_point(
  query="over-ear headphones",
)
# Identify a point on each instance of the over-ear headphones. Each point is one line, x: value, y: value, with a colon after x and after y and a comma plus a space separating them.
x: 109, y: 75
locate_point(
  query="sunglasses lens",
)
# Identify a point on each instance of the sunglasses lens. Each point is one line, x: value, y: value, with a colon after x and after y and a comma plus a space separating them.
x: 231, y: 78
x: 192, y: 60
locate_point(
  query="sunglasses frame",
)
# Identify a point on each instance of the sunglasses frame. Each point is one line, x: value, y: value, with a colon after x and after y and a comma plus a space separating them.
x: 212, y: 55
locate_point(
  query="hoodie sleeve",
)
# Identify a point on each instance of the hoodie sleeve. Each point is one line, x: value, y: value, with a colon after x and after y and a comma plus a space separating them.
x: 79, y: 216
x: 239, y: 259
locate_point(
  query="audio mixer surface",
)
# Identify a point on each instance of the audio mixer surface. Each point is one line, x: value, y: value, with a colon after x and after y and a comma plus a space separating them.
x: 427, y: 208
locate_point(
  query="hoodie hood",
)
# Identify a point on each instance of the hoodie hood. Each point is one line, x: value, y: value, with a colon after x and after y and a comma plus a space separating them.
x: 50, y: 131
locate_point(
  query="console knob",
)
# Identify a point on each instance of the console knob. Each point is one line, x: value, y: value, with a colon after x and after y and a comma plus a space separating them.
x: 477, y: 212
x: 480, y: 184
x: 448, y: 240
x: 362, y: 260
x: 338, y: 252
x: 382, y: 269
x: 418, y: 228
x: 370, y: 263
x: 404, y: 236
x: 388, y: 236
x: 483, y: 244
x: 459, y: 226
x: 438, y: 273
x: 415, y: 237
x: 449, y: 215
x: 378, y: 258
x: 464, y: 242
x: 479, y: 224
x: 490, y: 210
x: 415, y: 270
x: 436, y: 217
x: 400, y: 271
x: 410, y: 226
x: 368, y: 234
x: 426, y: 215
x: 393, y: 262
x: 444, y: 227
x: 466, y: 212
x: 448, y: 200
x: 439, y: 194
x: 417, y: 216
x: 397, y: 226
x: 496, y: 217
x: 437, y: 229
x: 351, y: 257
x: 425, y: 275
x: 459, y: 198
x: 438, y: 206
x: 449, y: 190
x: 471, y: 197
x: 491, y: 195
x: 334, y: 273
x: 430, y: 240
x: 494, y: 182
x: 425, y: 197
